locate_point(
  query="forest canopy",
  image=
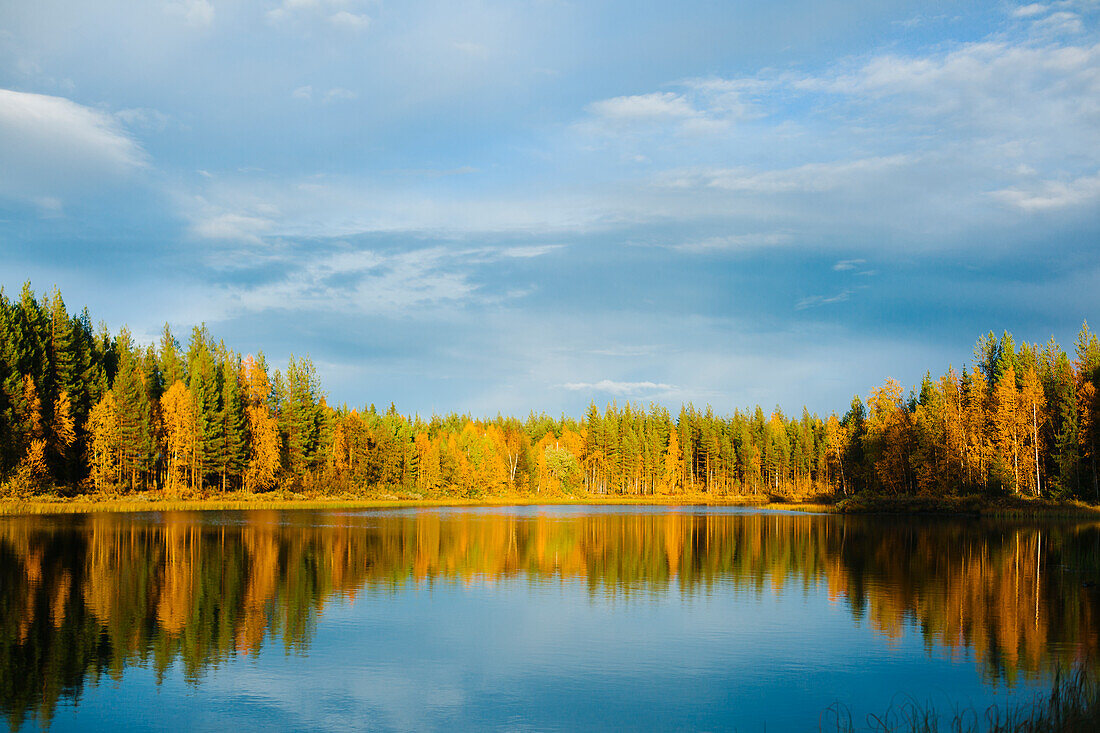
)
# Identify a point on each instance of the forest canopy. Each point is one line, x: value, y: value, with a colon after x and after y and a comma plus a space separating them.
x: 82, y: 410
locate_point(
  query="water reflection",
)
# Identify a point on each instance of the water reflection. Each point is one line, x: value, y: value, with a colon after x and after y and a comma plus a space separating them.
x: 88, y: 596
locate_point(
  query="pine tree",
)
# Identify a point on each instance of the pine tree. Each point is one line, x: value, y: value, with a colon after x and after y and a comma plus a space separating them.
x: 134, y: 415
x: 233, y: 452
x: 204, y: 383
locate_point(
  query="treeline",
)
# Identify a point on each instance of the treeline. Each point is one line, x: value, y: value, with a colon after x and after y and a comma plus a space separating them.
x: 84, y: 410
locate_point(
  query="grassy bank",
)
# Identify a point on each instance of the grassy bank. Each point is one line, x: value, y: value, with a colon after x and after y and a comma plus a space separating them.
x: 289, y: 500
x: 283, y: 499
x: 1073, y: 706
x: 975, y: 505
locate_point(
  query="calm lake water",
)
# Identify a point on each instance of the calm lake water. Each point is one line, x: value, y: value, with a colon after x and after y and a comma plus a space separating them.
x: 533, y: 618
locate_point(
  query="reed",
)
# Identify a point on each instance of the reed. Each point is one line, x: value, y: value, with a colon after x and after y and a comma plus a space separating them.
x: 1073, y: 706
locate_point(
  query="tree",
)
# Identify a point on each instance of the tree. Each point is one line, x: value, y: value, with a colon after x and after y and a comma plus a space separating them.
x: 889, y: 437
x: 62, y: 430
x: 670, y: 478
x: 1006, y: 422
x: 1032, y: 407
x: 181, y: 434
x: 264, y: 444
x: 104, y: 441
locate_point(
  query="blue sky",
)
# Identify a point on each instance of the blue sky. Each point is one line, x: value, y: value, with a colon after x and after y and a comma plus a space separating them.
x: 506, y: 206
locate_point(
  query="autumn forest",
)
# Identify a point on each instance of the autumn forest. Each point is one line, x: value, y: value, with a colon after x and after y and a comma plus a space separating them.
x: 84, y: 411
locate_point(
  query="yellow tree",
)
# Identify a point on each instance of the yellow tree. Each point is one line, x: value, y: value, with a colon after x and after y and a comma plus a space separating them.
x: 427, y: 462
x: 264, y: 455
x: 180, y: 432
x: 64, y: 426
x: 1032, y: 412
x: 954, y: 421
x: 836, y: 439
x: 264, y: 451
x: 673, y: 456
x: 257, y: 387
x: 979, y: 444
x: 103, y: 441
x: 1006, y: 422
x: 889, y: 428
x: 32, y: 471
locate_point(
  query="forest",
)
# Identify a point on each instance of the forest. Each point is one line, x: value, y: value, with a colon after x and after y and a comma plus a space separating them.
x: 83, y: 411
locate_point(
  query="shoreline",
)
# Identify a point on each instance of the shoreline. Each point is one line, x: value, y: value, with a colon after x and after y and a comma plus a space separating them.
x: 966, y: 506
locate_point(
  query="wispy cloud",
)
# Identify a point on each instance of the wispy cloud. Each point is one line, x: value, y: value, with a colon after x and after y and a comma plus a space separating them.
x: 49, y: 145
x: 844, y: 265
x: 620, y: 388
x: 735, y: 243
x: 350, y: 21
x: 195, y: 13
x: 814, y: 301
x: 1028, y: 11
x: 1052, y: 194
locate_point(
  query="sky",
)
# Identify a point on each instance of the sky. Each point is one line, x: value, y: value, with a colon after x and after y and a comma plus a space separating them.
x: 493, y: 207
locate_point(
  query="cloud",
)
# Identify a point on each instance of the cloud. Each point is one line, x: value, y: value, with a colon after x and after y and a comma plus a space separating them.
x: 336, y: 94
x: 734, y: 242
x: 659, y: 105
x: 1059, y: 24
x: 844, y: 265
x: 237, y: 227
x: 1052, y: 194
x: 363, y: 281
x: 704, y: 107
x: 51, y: 146
x: 321, y: 11
x: 814, y: 301
x: 527, y: 252
x: 620, y: 388
x: 350, y: 21
x: 1028, y: 11
x: 195, y: 13
x: 808, y: 177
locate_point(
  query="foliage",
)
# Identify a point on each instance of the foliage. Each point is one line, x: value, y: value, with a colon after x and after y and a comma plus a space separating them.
x: 83, y: 408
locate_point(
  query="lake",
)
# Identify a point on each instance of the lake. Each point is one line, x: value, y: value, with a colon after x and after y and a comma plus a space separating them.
x: 530, y: 618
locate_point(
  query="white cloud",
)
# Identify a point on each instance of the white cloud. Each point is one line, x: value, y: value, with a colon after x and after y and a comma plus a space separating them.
x: 734, y: 242
x: 1059, y: 24
x: 527, y: 252
x: 705, y: 107
x: 51, y: 145
x: 814, y: 301
x: 238, y: 227
x: 844, y: 265
x: 620, y: 388
x: 1052, y: 194
x: 362, y: 281
x: 350, y: 21
x: 1029, y: 11
x: 808, y: 177
x: 659, y: 105
x: 195, y: 13
x: 336, y: 94
x: 332, y: 12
